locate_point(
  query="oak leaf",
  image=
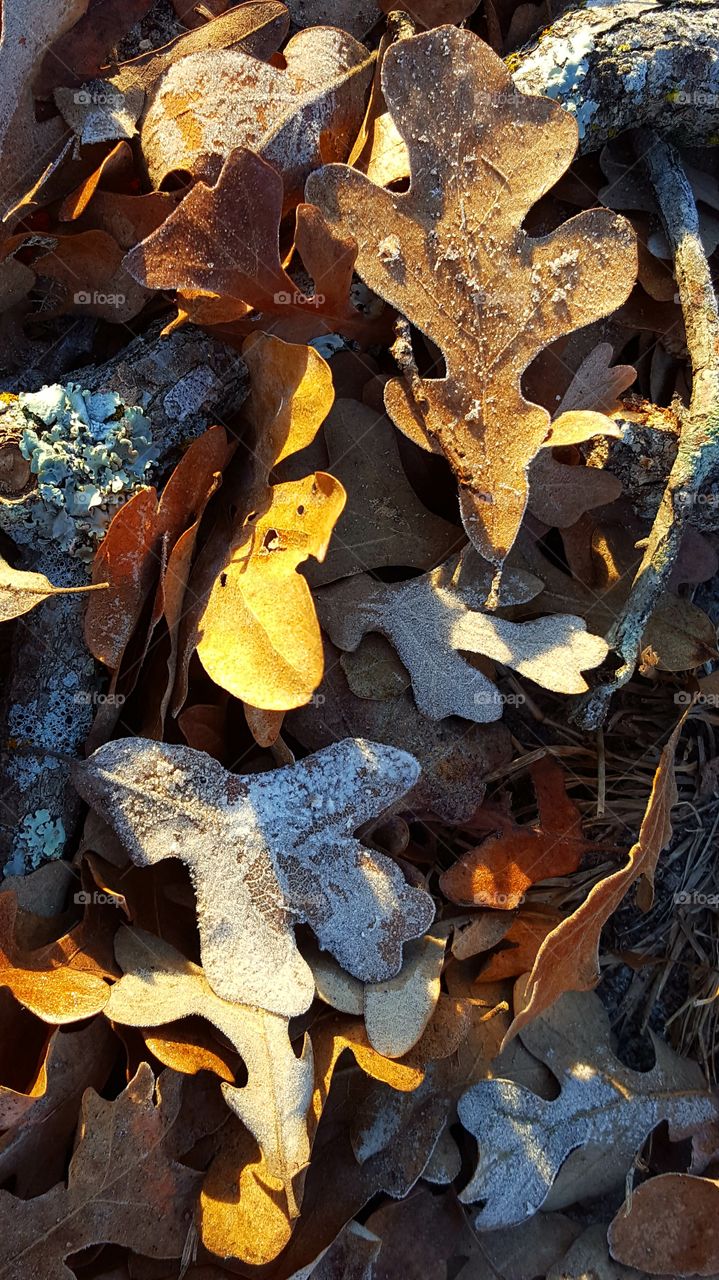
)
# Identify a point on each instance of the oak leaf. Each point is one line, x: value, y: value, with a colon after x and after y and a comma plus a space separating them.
x: 455, y: 755
x: 429, y: 623
x: 568, y: 959
x: 220, y: 278
x: 123, y: 1187
x: 451, y: 254
x: 384, y: 522
x: 258, y: 633
x: 207, y: 104
x: 602, y: 1104
x: 397, y: 1011
x: 499, y: 871
x: 258, y: 868
x: 670, y: 1226
x: 60, y: 982
x: 35, y: 1126
x: 160, y: 986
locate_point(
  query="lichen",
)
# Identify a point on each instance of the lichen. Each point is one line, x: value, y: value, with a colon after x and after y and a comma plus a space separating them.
x: 89, y: 452
x: 40, y: 838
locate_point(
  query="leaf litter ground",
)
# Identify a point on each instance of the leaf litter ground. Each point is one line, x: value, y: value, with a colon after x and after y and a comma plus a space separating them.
x: 332, y: 946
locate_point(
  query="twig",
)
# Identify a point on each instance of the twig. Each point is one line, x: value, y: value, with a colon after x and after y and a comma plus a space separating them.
x: 697, y: 457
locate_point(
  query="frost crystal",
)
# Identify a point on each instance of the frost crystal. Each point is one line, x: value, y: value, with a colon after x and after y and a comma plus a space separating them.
x: 93, y: 452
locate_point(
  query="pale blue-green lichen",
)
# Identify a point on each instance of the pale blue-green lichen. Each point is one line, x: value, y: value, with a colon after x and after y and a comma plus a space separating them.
x: 89, y: 452
x: 39, y: 839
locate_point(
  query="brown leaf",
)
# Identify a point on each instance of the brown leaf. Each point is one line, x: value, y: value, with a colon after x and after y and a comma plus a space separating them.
x: 384, y: 522
x: 21, y: 590
x: 125, y: 559
x: 568, y: 958
x: 221, y: 277
x: 489, y: 325
x: 520, y: 944
x: 89, y: 269
x: 123, y: 1187
x: 294, y: 116
x: 28, y: 30
x: 670, y: 1226
x: 497, y: 873
x: 37, y: 1125
x: 60, y: 982
x: 680, y: 635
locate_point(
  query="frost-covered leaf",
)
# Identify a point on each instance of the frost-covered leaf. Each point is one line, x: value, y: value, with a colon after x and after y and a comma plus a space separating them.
x: 429, y: 623
x: 21, y: 590
x: 267, y: 851
x: 455, y: 755
x: 524, y: 1139
x: 160, y: 986
x: 285, y: 114
x: 452, y: 255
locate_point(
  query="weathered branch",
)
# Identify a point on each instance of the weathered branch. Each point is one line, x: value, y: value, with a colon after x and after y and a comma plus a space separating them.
x: 183, y: 383
x: 697, y: 459
x: 621, y: 66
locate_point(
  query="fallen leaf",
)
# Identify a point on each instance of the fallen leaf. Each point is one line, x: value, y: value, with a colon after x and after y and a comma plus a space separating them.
x: 123, y: 1187
x: 499, y: 871
x: 125, y: 559
x: 258, y: 26
x: 240, y: 1216
x: 92, y: 279
x: 60, y: 982
x: 669, y: 1226
x: 520, y: 944
x: 272, y: 659
x: 397, y: 1011
x: 559, y: 493
x: 454, y: 754
x: 589, y: 1256
x: 602, y: 1103
x: 597, y: 384
x: 21, y: 590
x: 681, y: 635
x: 384, y: 522
x: 568, y: 959
x: 166, y: 801
x: 37, y: 1125
x: 429, y: 624
x: 220, y: 279
x: 488, y: 325
x: 160, y: 985
x: 28, y: 30
x: 196, y: 114
x: 521, y: 1252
